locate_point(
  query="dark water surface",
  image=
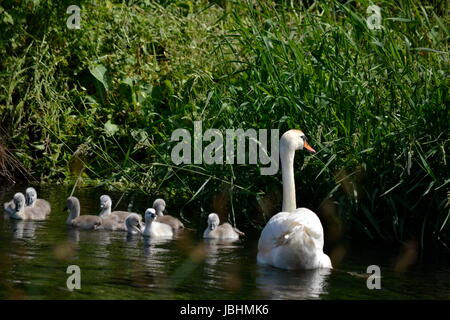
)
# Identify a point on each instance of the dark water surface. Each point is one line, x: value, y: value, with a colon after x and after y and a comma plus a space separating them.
x: 34, y: 257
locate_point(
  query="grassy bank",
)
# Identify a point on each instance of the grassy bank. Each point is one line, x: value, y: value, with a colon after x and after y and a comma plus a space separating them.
x: 101, y: 103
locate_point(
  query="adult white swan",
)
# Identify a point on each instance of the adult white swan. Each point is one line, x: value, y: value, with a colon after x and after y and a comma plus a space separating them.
x: 293, y: 238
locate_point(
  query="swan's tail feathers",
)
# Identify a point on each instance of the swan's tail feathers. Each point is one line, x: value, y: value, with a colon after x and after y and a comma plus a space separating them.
x: 239, y: 232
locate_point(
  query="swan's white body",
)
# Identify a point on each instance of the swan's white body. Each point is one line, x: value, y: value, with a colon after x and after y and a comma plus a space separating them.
x: 154, y: 229
x: 292, y: 239
x: 158, y: 230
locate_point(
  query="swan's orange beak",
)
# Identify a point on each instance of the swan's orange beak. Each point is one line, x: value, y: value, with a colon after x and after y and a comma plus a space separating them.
x: 308, y: 147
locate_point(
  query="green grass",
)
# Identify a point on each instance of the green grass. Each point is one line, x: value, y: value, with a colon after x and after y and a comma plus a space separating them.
x: 101, y: 103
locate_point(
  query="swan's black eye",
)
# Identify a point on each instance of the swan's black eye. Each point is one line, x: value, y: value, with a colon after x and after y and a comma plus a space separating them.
x: 303, y: 137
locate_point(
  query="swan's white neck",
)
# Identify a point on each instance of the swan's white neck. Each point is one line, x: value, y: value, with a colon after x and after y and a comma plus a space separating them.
x: 105, y: 212
x: 74, y: 213
x: 148, y: 226
x: 287, y: 154
x: 159, y: 213
x: 19, y: 214
x: 31, y: 205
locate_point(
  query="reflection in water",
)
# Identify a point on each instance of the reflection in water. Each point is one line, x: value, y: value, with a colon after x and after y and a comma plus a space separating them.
x: 153, y: 242
x: 100, y: 237
x: 96, y: 243
x: 24, y: 229
x: 155, y: 255
x: 221, y: 268
x: 73, y: 235
x: 133, y: 237
x: 281, y: 284
x: 215, y: 248
x: 155, y: 260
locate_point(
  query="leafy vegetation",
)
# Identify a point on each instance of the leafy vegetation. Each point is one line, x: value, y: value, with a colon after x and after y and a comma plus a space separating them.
x: 98, y: 105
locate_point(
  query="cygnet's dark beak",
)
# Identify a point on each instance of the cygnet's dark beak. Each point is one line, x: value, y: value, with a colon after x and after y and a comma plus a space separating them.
x: 138, y: 227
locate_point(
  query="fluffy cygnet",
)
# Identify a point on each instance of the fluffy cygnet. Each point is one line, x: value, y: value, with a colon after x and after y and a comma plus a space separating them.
x: 160, y: 205
x: 23, y: 212
x: 9, y: 208
x: 86, y: 222
x: 153, y: 228
x: 33, y: 201
x: 133, y: 224
x: 223, y: 231
x: 105, y: 206
x: 112, y: 223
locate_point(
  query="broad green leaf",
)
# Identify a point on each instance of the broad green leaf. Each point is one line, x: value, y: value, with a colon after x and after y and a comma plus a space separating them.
x: 99, y: 73
x: 111, y: 128
x: 7, y: 18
